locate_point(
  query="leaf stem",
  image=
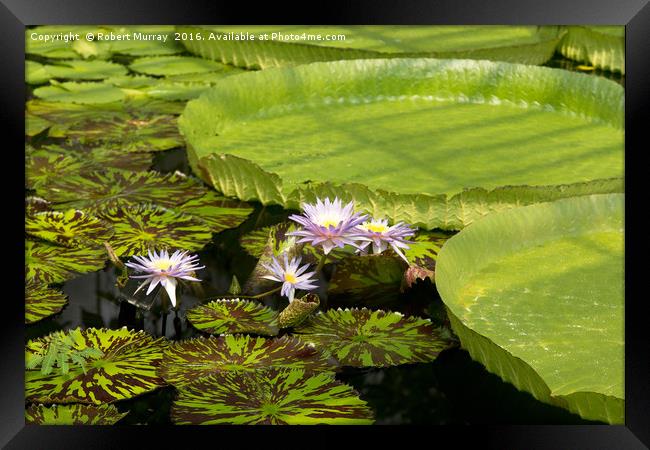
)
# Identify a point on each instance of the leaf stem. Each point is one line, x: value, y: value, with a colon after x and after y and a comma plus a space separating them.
x: 263, y: 294
x: 321, y: 263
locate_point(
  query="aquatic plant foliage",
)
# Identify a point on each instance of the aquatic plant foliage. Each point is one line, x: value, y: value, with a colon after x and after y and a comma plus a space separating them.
x: 365, y: 338
x: 229, y: 316
x: 270, y: 397
x: 71, y: 228
x: 190, y: 360
x: 290, y: 44
x: 126, y: 369
x: 75, y: 414
x: 536, y: 295
x: 48, y: 263
x: 479, y: 143
x: 143, y: 227
x: 97, y: 191
x: 42, y: 301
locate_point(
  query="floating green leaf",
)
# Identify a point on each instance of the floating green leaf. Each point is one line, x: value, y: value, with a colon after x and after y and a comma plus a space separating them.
x: 138, y: 40
x: 144, y: 227
x: 219, y: 212
x: 494, y: 125
x: 76, y: 414
x: 536, y: 295
x: 58, y: 43
x: 124, y: 133
x: 141, y: 40
x: 176, y: 65
x: 234, y: 316
x: 601, y: 46
x: 80, y: 92
x: 362, y: 338
x: 293, y: 44
x: 46, y: 263
x: 42, y: 301
x: 35, y: 73
x: 96, y: 191
x: 127, y: 369
x: 276, y: 396
x: 188, y: 361
x: 72, y: 228
x: 55, y: 161
x: 371, y: 278
x: 84, y: 70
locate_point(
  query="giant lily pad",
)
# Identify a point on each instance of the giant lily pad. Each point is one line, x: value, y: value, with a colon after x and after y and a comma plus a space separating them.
x: 218, y: 212
x: 42, y: 301
x: 48, y: 263
x: 234, y: 316
x: 426, y: 130
x: 127, y: 369
x: 76, y: 414
x: 536, y: 295
x: 601, y: 46
x: 362, y: 338
x: 271, y: 397
x: 95, y: 191
x: 286, y: 45
x: 191, y: 360
x: 72, y: 228
x: 144, y: 227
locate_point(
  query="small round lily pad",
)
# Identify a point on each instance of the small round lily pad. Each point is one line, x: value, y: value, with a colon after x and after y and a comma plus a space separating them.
x: 234, y: 316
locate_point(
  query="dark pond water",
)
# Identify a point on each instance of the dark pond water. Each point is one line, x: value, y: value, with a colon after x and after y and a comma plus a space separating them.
x: 453, y: 389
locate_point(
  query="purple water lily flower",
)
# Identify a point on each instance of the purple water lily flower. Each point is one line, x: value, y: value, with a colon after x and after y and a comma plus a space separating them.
x: 328, y: 224
x: 165, y: 269
x: 290, y: 275
x: 380, y: 235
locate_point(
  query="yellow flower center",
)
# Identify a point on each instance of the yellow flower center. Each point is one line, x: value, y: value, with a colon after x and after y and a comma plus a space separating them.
x: 376, y: 227
x: 291, y: 278
x: 162, y: 264
x: 329, y: 222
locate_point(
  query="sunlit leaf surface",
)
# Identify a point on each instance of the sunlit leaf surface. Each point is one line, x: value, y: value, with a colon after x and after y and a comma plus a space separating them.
x: 176, y: 65
x: 71, y: 228
x: 127, y: 369
x: 536, y: 294
x: 187, y: 361
x: 49, y: 263
x: 363, y: 338
x: 296, y: 44
x: 42, y: 301
x: 234, y: 316
x: 99, y: 190
x: 275, y: 396
x: 144, y: 227
x: 218, y: 212
x: 76, y: 414
x: 458, y: 124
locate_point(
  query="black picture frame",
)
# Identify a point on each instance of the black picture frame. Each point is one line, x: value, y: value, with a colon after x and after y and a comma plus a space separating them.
x: 634, y: 14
